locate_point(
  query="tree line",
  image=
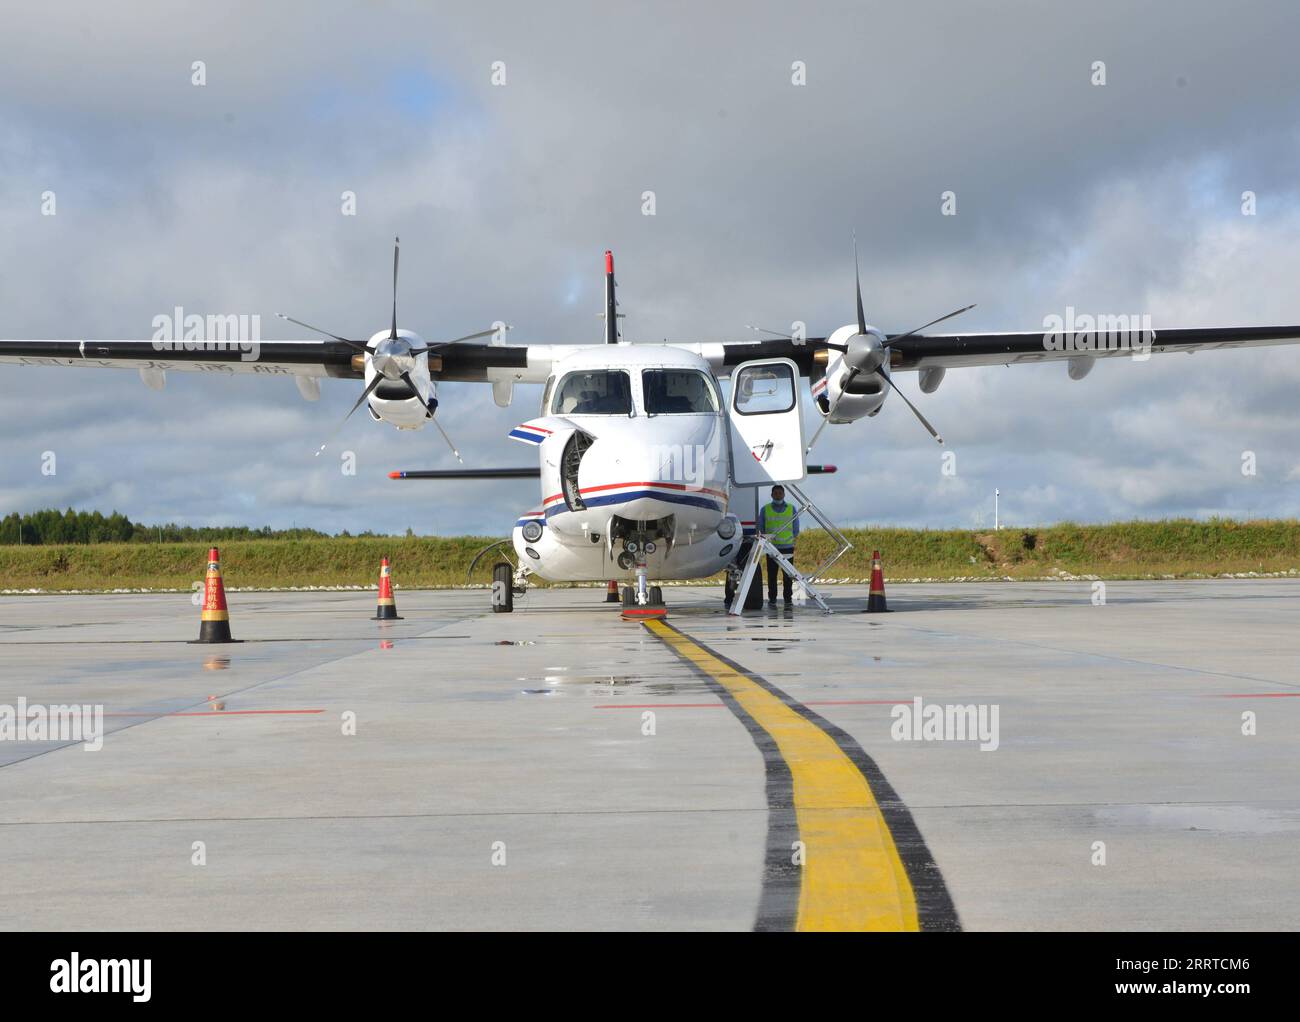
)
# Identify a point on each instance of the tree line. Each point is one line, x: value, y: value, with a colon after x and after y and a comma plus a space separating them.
x: 53, y: 526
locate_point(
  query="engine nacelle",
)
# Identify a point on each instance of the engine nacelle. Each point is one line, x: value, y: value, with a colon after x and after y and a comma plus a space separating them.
x: 392, y: 401
x: 866, y: 393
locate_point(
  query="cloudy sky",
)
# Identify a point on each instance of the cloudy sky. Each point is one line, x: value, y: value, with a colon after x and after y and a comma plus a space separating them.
x: 226, y: 198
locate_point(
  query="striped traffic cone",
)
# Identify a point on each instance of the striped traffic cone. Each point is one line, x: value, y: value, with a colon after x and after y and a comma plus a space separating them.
x: 387, y: 608
x: 611, y: 594
x: 876, y: 597
x: 214, y: 625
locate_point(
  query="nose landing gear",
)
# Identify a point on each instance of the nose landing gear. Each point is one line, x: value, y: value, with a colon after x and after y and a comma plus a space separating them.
x: 643, y: 600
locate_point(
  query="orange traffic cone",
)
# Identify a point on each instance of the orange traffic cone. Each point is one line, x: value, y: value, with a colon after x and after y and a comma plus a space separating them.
x: 611, y: 594
x: 214, y: 624
x: 387, y: 608
x: 876, y: 597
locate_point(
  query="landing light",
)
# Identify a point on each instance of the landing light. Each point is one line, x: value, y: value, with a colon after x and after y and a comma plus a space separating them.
x: 726, y: 528
x: 532, y: 531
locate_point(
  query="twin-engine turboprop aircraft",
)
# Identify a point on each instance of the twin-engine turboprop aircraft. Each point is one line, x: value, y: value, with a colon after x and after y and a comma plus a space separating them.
x: 641, y: 455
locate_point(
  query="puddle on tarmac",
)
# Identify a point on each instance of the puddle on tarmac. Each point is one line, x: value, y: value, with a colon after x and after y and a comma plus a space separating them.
x: 602, y: 685
x: 1226, y: 819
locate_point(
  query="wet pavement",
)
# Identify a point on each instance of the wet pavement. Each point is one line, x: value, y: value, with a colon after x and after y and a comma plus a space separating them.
x: 501, y: 774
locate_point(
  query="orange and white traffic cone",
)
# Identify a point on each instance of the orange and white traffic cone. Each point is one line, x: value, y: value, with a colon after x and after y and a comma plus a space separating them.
x: 387, y: 608
x: 876, y: 596
x: 214, y: 624
x: 611, y: 594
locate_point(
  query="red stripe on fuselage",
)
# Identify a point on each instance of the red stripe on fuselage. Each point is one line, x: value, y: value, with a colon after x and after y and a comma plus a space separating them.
x: 620, y: 486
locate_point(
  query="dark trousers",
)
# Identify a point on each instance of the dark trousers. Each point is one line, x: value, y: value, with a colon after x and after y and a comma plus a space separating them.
x: 786, y: 580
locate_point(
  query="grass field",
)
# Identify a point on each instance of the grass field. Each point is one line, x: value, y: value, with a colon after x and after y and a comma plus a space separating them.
x: 1179, y: 549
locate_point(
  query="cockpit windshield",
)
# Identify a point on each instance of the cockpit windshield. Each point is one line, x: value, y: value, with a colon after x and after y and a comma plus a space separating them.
x: 594, y: 392
x: 678, y: 392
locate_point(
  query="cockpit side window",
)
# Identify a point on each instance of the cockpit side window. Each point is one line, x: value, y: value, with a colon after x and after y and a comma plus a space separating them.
x: 678, y: 392
x: 594, y: 392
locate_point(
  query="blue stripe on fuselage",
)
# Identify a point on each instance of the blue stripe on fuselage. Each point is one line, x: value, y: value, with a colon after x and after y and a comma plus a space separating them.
x: 708, y: 503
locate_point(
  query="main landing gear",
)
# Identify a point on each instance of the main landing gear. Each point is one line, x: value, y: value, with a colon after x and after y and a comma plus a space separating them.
x: 507, y: 583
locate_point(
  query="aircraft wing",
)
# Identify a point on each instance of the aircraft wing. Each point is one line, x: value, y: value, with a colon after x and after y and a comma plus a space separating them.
x: 487, y: 363
x: 951, y: 351
x: 318, y: 358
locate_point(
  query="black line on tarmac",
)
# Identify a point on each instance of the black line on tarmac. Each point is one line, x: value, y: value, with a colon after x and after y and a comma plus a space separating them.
x: 934, y: 906
x: 778, y: 907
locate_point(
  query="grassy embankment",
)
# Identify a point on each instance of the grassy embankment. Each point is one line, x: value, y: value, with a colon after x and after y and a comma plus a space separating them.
x: 1181, y: 549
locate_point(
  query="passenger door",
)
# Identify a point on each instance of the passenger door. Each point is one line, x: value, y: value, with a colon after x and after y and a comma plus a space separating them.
x: 767, y: 444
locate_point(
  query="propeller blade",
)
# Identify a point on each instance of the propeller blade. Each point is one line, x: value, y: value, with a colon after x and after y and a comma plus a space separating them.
x: 315, y: 329
x: 379, y: 378
x: 857, y: 279
x: 765, y: 330
x: 808, y: 449
x: 415, y: 391
x: 932, y: 322
x: 439, y: 345
x: 897, y: 390
x: 448, y: 439
x: 397, y: 248
x: 432, y: 410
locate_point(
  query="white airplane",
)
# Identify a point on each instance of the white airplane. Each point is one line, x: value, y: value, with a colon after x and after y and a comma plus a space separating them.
x: 642, y: 459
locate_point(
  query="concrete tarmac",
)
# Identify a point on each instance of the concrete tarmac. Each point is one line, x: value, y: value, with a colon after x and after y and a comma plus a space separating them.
x: 501, y: 775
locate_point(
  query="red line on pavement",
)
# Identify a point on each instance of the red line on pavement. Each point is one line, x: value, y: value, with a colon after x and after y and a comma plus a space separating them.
x: 211, y: 713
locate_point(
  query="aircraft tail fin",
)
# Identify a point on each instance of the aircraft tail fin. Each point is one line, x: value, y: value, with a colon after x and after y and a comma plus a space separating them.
x: 611, y: 304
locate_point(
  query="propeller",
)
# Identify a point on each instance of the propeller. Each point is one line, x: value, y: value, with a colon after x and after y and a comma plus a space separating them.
x: 392, y: 359
x: 870, y: 355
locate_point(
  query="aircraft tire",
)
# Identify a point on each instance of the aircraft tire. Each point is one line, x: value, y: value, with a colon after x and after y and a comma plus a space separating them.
x: 503, y: 594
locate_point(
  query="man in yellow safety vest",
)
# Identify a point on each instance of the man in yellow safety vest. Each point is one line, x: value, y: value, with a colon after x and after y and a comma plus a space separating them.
x: 779, y: 522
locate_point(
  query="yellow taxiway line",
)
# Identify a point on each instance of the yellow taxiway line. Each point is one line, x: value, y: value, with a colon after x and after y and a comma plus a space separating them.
x: 852, y: 877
